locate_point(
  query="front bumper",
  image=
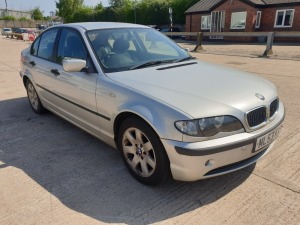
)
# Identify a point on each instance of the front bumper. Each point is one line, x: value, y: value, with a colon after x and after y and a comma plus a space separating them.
x: 199, y: 160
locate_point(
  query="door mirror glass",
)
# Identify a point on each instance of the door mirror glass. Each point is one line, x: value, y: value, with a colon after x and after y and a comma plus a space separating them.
x: 73, y: 65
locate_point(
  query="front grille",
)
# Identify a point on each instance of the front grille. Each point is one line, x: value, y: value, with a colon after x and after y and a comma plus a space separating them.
x: 257, y: 116
x: 273, y: 107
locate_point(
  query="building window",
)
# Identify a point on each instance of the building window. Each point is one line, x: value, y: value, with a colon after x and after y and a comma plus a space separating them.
x: 258, y: 18
x: 205, y: 22
x: 284, y: 18
x: 238, y: 20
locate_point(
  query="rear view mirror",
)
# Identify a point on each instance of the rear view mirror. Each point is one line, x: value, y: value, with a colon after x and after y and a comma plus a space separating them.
x: 152, y: 36
x: 73, y: 65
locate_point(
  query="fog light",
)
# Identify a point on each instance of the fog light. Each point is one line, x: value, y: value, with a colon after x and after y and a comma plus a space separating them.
x: 209, y: 163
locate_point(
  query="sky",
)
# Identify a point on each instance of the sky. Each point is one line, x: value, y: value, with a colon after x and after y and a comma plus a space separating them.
x: 46, y: 6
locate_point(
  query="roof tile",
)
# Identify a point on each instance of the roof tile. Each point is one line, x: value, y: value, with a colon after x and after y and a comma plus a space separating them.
x: 208, y: 5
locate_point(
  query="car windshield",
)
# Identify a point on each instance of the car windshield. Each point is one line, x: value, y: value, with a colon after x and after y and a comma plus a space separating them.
x: 122, y: 49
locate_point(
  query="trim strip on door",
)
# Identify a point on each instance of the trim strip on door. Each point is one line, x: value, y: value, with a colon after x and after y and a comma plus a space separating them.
x: 80, y: 106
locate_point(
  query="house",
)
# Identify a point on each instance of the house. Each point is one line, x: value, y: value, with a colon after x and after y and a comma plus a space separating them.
x: 243, y: 16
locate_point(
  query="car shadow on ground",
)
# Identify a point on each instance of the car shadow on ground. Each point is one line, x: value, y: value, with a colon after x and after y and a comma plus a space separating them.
x: 89, y: 177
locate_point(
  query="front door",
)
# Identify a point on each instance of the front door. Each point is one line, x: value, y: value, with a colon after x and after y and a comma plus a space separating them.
x: 217, y: 23
x: 75, y: 91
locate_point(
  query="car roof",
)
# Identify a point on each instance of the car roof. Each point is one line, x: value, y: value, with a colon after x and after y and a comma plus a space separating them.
x: 102, y: 25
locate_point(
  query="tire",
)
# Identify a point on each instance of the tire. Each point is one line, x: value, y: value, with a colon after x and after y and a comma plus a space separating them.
x: 34, y: 99
x: 143, y: 152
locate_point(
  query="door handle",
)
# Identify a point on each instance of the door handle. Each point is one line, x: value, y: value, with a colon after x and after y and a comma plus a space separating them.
x: 55, y: 72
x: 32, y: 63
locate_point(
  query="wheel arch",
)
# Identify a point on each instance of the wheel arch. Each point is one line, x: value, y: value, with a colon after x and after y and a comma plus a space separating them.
x: 159, y: 117
x: 25, y: 79
x: 125, y: 115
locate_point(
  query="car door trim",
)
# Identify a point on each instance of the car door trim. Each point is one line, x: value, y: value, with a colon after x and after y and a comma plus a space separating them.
x: 80, y: 106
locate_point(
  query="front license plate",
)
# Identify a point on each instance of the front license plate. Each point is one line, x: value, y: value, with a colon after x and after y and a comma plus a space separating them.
x: 266, y: 139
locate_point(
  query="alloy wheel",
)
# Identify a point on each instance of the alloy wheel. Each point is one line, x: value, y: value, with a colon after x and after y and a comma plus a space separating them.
x: 139, y: 152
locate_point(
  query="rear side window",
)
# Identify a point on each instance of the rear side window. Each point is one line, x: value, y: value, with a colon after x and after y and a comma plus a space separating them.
x: 46, y: 45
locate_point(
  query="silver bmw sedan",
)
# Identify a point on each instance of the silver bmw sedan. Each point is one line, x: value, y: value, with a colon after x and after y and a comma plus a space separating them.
x: 169, y: 114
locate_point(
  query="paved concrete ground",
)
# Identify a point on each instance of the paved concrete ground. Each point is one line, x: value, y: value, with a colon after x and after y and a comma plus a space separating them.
x: 53, y: 173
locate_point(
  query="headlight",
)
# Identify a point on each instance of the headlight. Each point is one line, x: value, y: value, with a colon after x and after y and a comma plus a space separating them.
x: 210, y: 126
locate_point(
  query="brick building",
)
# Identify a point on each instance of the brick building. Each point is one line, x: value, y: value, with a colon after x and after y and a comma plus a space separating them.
x: 243, y: 16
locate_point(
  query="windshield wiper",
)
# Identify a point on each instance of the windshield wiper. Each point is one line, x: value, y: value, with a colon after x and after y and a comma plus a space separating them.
x: 184, y: 59
x: 151, y: 63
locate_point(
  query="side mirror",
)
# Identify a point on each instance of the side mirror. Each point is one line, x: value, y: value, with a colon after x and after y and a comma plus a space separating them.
x: 73, y: 65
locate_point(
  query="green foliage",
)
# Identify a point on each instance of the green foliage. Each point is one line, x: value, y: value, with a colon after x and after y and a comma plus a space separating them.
x: 23, y: 19
x: 66, y: 8
x: 83, y: 14
x: 99, y: 6
x: 47, y: 18
x: 8, y: 18
x: 116, y: 3
x: 37, y: 14
x: 179, y: 7
x: 140, y: 11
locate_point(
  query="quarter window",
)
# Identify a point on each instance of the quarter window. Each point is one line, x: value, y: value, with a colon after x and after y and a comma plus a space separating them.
x: 35, y: 47
x: 46, y: 45
x: 238, y: 20
x: 258, y: 19
x: 284, y: 18
x: 205, y: 22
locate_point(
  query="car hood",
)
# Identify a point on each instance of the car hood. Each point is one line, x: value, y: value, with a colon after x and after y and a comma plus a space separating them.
x: 200, y: 89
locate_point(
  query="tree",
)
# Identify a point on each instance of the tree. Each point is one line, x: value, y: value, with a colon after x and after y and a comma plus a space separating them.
x: 84, y: 14
x: 98, y: 7
x: 37, y: 14
x: 47, y: 18
x: 66, y: 8
x: 133, y: 11
x: 116, y: 3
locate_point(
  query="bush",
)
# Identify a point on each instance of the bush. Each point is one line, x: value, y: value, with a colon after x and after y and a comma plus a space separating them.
x: 8, y: 18
x: 23, y: 19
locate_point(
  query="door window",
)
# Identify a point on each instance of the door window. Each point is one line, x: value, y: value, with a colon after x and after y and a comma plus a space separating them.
x: 217, y: 23
x: 70, y: 46
x: 46, y: 45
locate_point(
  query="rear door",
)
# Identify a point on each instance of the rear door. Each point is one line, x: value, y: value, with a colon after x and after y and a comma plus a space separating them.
x: 41, y: 61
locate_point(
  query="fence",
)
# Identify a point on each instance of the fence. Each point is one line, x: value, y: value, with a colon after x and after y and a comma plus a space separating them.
x: 269, y: 35
x: 22, y: 36
x: 21, y: 24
